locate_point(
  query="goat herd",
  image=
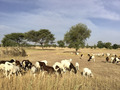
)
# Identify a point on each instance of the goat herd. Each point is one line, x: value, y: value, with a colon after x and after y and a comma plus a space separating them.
x: 113, y: 58
x: 10, y: 67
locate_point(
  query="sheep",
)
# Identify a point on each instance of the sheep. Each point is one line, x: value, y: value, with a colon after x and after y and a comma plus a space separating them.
x: 87, y: 72
x: 77, y: 65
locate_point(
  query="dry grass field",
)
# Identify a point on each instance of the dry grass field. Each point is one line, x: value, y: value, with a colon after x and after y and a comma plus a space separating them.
x: 106, y: 75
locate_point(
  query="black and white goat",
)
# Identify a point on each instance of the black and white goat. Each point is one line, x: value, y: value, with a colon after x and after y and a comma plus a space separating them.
x: 91, y: 57
x: 68, y: 65
x: 26, y: 64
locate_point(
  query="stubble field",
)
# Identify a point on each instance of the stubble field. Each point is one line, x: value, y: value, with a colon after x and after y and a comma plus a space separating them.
x: 106, y: 75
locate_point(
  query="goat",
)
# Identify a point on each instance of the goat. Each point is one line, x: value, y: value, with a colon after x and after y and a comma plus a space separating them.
x: 60, y: 65
x: 12, y: 69
x: 26, y: 64
x: 107, y: 59
x: 68, y: 65
x: 77, y: 65
x: 91, y: 57
x: 45, y: 61
x: 33, y: 70
x: 87, y: 72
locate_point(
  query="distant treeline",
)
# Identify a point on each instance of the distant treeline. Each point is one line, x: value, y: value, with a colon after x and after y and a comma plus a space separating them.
x: 75, y: 38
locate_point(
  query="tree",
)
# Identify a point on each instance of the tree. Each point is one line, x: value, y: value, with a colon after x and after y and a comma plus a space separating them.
x: 115, y: 46
x: 77, y: 35
x: 32, y: 36
x: 45, y: 37
x: 107, y: 45
x: 61, y: 43
x: 100, y: 44
x: 13, y: 39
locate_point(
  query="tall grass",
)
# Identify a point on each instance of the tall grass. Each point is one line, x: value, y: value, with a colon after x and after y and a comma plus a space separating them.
x: 13, y: 51
x: 68, y: 81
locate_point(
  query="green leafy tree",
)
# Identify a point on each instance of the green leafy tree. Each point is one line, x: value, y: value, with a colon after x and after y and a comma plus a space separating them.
x: 45, y: 37
x: 32, y: 36
x: 115, y: 46
x: 61, y: 43
x: 107, y: 45
x: 100, y: 44
x: 95, y: 46
x: 13, y: 39
x: 77, y: 35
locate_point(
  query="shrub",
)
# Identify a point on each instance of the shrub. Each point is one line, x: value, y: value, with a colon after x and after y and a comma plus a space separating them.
x: 14, y: 51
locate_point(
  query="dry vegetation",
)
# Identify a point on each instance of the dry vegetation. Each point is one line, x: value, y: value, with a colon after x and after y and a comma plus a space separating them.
x: 106, y: 75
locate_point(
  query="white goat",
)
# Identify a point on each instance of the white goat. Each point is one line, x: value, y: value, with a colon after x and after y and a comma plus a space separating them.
x: 33, y: 70
x: 112, y: 58
x: 77, y: 65
x: 87, y: 72
x: 37, y: 65
x: 108, y: 54
x: 12, y: 69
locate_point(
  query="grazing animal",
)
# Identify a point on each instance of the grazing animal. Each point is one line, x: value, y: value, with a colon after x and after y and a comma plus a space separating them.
x: 116, y: 60
x: 77, y: 65
x: 68, y: 65
x: 87, y: 72
x: 112, y: 59
x: 51, y: 70
x: 81, y: 56
x: 107, y: 59
x: 91, y: 58
x: 2, y: 63
x: 45, y: 61
x: 108, y: 54
x: 39, y: 65
x: 26, y: 64
x: 33, y: 70
x: 60, y: 65
x: 11, y: 69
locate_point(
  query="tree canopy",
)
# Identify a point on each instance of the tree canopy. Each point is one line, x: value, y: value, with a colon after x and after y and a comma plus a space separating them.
x: 42, y: 37
x: 13, y: 39
x: 61, y: 43
x: 77, y: 36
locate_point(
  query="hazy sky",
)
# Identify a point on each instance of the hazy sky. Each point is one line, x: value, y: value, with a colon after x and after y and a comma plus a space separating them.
x: 101, y: 16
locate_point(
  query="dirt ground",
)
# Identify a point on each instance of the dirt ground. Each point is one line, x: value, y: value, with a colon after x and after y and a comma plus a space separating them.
x: 100, y: 67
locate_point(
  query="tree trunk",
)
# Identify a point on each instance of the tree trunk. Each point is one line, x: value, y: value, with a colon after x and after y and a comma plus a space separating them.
x: 76, y: 51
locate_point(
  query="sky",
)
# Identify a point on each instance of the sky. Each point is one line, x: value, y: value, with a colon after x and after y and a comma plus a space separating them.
x: 102, y: 17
